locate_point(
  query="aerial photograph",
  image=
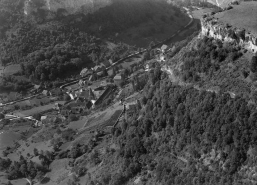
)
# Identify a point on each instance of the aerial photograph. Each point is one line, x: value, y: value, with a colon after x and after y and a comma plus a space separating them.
x: 128, y: 92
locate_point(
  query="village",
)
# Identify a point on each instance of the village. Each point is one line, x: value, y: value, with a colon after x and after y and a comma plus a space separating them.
x: 93, y: 105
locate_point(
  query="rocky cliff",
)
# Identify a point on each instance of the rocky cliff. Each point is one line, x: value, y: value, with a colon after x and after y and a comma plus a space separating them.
x: 221, y: 3
x: 72, y: 6
x: 211, y: 27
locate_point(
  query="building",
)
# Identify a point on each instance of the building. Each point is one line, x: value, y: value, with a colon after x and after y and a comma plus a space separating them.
x: 57, y: 106
x: 84, y: 72
x: 38, y: 88
x: 118, y: 80
x: 46, y: 93
x: 147, y: 67
x: 99, y: 68
x: 56, y: 92
x: 87, y: 95
x: 164, y: 48
x: 162, y: 58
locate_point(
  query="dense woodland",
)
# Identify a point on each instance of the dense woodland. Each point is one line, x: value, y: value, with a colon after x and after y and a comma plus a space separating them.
x: 180, y: 127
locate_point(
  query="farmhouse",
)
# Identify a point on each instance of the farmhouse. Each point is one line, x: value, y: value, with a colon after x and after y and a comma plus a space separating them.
x: 118, y: 80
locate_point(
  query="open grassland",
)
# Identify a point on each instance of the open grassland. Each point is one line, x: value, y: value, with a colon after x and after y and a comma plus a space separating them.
x: 242, y: 16
x: 11, y: 69
x: 36, y: 110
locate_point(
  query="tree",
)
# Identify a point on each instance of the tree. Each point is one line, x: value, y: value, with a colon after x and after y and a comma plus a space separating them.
x: 2, y: 116
x: 144, y: 100
x: 253, y: 65
x: 43, y: 77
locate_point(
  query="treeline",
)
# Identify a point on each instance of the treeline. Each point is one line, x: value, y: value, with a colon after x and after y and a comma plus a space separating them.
x: 178, y: 128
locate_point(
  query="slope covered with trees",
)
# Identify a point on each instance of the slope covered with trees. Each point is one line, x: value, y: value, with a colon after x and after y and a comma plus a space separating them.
x: 177, y: 135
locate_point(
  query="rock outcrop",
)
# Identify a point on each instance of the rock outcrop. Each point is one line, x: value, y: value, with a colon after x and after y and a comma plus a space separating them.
x: 222, y: 3
x: 71, y: 6
x: 211, y: 27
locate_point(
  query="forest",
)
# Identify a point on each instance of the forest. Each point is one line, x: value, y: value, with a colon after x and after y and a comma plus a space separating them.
x: 187, y: 136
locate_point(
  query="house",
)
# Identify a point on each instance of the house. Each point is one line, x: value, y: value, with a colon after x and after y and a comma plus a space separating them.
x: 46, y: 93
x: 118, y: 80
x: 57, y: 106
x: 82, y: 83
x: 72, y: 95
x: 43, y: 118
x: 110, y: 61
x: 162, y: 58
x: 87, y: 94
x: 147, y: 67
x: 76, y: 110
x: 56, y: 92
x: 99, y: 68
x: 84, y: 72
x: 130, y: 109
x: 38, y: 88
x: 100, y: 73
x: 164, y: 48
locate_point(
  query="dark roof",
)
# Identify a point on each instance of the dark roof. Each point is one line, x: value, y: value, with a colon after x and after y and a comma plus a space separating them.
x: 88, y: 94
x: 99, y: 68
x: 56, y: 91
x: 106, y: 63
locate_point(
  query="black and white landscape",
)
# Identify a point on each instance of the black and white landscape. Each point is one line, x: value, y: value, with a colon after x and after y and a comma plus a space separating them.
x: 128, y: 92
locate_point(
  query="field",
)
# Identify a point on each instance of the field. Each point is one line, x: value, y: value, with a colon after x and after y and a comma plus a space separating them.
x: 36, y: 110
x: 241, y: 16
x: 10, y: 69
x: 197, y: 14
x: 78, y: 124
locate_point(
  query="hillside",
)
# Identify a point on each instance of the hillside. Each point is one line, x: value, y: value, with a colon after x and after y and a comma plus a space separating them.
x: 71, y: 6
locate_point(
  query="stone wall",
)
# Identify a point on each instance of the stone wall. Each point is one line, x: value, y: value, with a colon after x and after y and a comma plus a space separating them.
x: 211, y: 27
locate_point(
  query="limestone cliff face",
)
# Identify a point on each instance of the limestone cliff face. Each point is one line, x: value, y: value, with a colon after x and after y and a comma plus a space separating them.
x: 222, y: 3
x: 212, y: 28
x: 72, y: 6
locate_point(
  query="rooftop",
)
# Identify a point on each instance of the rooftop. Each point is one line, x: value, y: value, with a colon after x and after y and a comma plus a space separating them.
x: 117, y: 77
x: 242, y: 16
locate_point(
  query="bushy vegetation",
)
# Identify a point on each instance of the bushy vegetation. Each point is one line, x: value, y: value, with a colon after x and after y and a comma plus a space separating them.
x: 207, y: 58
x: 26, y: 168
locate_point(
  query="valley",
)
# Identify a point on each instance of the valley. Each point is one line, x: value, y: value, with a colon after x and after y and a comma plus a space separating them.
x: 91, y: 99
